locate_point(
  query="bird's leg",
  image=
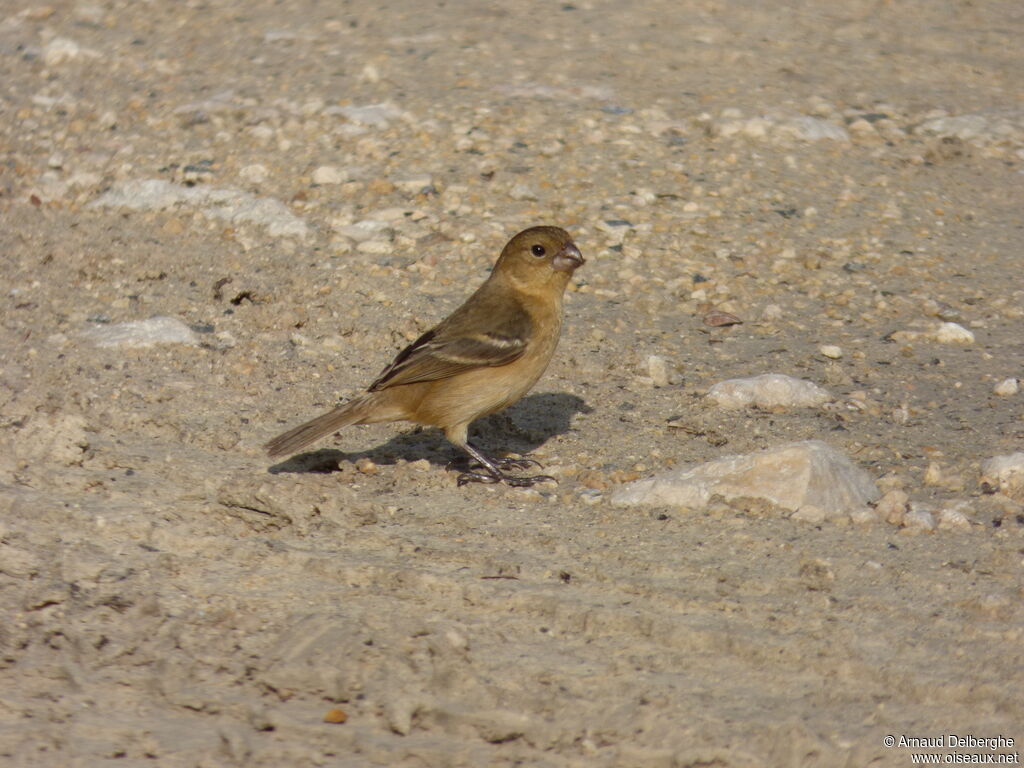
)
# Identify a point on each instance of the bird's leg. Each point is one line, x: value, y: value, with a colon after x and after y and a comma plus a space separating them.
x: 493, y: 473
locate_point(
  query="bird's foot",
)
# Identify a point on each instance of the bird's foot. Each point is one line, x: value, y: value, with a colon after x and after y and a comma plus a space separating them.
x: 520, y: 464
x: 466, y: 465
x: 486, y: 477
x: 490, y: 471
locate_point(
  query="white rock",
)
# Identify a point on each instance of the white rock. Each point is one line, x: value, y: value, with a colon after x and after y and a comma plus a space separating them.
x: 59, y: 438
x: 769, y: 390
x: 227, y: 204
x: 952, y: 333
x: 657, y: 369
x: 142, y: 333
x: 831, y: 351
x: 919, y: 519
x: 864, y: 516
x: 814, y: 129
x: 810, y: 476
x: 59, y: 50
x: 413, y: 184
x: 254, y: 173
x: 952, y: 518
x: 963, y: 127
x: 522, y: 192
x: 375, y: 247
x: 1005, y: 474
x: 375, y: 115
x: 328, y: 174
x: 893, y: 506
x: 367, y: 229
x: 1007, y: 387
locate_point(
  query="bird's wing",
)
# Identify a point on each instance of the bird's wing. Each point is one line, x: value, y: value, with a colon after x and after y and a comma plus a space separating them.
x: 455, y: 347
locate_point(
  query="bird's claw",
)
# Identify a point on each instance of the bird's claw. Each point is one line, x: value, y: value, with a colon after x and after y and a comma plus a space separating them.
x: 520, y: 464
x: 488, y: 479
x: 527, y: 482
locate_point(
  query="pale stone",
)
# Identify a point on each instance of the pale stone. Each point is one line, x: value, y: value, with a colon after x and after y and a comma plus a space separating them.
x: 1007, y: 387
x: 952, y: 333
x: 327, y: 174
x: 142, y: 333
x: 808, y: 476
x: 770, y: 390
x: 1005, y: 474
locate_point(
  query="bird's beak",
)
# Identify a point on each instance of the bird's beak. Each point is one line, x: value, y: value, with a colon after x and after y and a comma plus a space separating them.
x: 568, y: 259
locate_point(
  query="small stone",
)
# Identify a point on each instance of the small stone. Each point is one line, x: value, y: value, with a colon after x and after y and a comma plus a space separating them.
x: 366, y: 466
x: 522, y: 192
x: 770, y: 390
x: 831, y: 351
x: 809, y: 478
x: 415, y: 184
x: 952, y: 518
x: 255, y: 173
x: 328, y: 174
x: 864, y: 516
x: 657, y: 369
x: 60, y: 50
x: 375, y: 247
x: 919, y: 519
x: 772, y: 312
x: 420, y: 465
x: 953, y: 333
x: 718, y: 318
x: 893, y: 506
x: 367, y: 229
x: 1004, y: 474
x: 142, y: 333
x: 335, y: 716
x: 1007, y: 387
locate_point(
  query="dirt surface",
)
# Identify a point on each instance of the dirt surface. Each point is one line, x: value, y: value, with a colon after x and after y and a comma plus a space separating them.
x: 326, y: 181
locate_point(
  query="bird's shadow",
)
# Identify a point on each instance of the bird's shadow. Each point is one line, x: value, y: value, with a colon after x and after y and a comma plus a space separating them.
x: 521, y: 428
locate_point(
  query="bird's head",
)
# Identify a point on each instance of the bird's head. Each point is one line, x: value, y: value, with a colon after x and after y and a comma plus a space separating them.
x: 540, y: 256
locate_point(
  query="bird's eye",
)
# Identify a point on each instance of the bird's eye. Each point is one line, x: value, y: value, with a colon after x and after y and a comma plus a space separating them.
x: 538, y: 250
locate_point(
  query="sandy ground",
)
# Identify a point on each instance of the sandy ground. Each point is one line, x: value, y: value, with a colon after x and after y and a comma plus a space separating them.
x: 327, y: 180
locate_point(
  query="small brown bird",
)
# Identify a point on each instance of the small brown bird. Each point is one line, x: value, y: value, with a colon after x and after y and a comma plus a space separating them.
x: 485, y: 356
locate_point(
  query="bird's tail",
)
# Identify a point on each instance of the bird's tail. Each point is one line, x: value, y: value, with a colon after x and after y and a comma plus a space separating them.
x: 294, y: 440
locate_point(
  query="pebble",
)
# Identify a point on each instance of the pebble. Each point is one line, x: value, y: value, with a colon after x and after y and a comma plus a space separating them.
x: 522, y: 192
x: 657, y: 369
x: 415, y: 184
x: 864, y: 516
x: 811, y: 478
x: 769, y: 390
x: 1005, y: 474
x: 367, y: 229
x: 374, y: 115
x: 227, y: 204
x: 366, y: 466
x: 142, y: 333
x: 953, y: 333
x: 328, y: 174
x: 952, y: 518
x: 919, y: 519
x: 893, y: 506
x: 375, y: 247
x: 1007, y: 387
x: 254, y: 173
x: 831, y: 351
x: 60, y: 50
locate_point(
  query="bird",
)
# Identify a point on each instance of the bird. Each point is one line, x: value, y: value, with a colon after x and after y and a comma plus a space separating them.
x: 483, y: 357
